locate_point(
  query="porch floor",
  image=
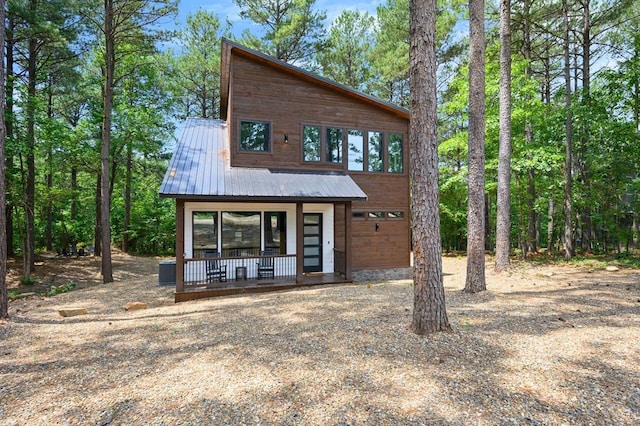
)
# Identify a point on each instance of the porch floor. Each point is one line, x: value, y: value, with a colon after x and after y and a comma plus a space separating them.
x: 254, y: 286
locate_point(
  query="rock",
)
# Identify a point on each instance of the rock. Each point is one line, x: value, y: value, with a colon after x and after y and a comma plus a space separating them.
x: 24, y: 295
x: 72, y: 312
x: 134, y: 306
x: 612, y: 268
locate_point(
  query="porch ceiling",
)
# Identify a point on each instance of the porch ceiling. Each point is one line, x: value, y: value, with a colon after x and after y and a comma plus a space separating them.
x: 201, y: 168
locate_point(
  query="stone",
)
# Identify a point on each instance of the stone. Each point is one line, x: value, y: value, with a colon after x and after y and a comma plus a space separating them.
x: 134, y: 306
x: 72, y: 312
x: 612, y: 268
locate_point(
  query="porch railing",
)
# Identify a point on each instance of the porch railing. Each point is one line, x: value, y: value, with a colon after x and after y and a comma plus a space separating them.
x: 237, y: 268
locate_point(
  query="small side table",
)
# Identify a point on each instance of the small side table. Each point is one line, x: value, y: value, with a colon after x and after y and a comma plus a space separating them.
x: 241, y: 273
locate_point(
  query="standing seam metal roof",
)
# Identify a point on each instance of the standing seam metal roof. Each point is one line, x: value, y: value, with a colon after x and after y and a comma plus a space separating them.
x: 201, y: 168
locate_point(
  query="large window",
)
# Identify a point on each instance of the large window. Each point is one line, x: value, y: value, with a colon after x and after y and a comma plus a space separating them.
x: 254, y: 136
x: 376, y: 152
x: 275, y: 232
x: 334, y: 145
x: 240, y: 234
x: 205, y: 233
x: 395, y: 153
x: 355, y: 141
x: 311, y: 136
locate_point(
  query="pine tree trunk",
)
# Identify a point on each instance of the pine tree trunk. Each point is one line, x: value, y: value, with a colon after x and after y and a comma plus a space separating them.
x: 550, y: 246
x: 429, y: 308
x: 503, y: 221
x: 568, y: 198
x: 9, y: 118
x: 107, y: 267
x: 30, y: 189
x: 127, y: 200
x: 4, y: 296
x: 475, y: 281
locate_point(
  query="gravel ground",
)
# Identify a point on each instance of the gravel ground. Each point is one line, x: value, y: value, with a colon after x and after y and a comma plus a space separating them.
x: 543, y: 346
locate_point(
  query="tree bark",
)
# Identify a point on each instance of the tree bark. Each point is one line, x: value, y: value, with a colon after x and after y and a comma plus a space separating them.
x: 8, y: 120
x: 107, y: 267
x: 475, y: 281
x: 568, y: 200
x: 4, y: 296
x: 503, y: 221
x: 429, y: 308
x: 127, y: 200
x: 550, y: 247
x: 97, y: 236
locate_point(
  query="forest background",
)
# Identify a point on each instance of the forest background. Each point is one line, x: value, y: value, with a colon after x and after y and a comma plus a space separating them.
x: 60, y: 52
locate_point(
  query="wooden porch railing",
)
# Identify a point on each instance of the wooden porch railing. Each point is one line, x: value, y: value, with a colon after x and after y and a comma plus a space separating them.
x: 237, y: 268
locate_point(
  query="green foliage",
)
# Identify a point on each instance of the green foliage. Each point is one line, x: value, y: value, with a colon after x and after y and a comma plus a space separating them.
x: 28, y: 281
x: 64, y: 288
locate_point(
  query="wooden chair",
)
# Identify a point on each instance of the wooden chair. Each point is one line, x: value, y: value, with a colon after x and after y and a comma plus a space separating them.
x: 215, y: 269
x: 265, y: 265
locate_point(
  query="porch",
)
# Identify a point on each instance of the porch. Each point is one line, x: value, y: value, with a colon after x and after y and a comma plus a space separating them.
x: 236, y: 275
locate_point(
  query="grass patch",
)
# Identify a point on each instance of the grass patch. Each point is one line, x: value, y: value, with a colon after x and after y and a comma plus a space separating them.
x: 59, y: 289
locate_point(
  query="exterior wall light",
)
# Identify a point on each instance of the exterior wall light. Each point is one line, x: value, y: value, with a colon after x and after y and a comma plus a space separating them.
x: 286, y: 138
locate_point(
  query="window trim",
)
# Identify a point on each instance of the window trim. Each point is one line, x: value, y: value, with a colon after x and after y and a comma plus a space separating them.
x: 321, y: 148
x: 402, y: 150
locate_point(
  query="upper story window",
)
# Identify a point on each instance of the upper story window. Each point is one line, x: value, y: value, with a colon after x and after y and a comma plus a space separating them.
x: 395, y: 153
x: 311, y: 139
x: 255, y: 136
x: 334, y: 145
x: 376, y: 152
x: 355, y: 142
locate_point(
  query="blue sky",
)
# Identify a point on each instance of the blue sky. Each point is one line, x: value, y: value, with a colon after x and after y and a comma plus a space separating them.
x: 227, y: 10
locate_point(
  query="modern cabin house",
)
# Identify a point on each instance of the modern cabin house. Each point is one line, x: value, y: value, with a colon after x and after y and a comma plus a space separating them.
x: 302, y: 181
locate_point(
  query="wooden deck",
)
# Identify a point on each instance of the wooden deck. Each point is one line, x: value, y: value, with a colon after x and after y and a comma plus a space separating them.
x: 232, y: 287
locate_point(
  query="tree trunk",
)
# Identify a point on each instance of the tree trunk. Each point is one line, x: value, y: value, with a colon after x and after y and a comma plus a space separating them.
x: 97, y: 236
x: 9, y: 118
x: 4, y: 296
x: 74, y: 193
x: 503, y: 221
x: 30, y: 190
x: 550, y: 247
x: 48, y: 233
x: 107, y: 267
x: 568, y: 200
x: 584, y: 142
x: 429, y: 308
x: 127, y: 200
x: 531, y: 217
x: 475, y: 281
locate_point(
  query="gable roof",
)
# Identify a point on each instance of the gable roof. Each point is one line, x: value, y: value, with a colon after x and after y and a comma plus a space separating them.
x: 229, y: 47
x: 201, y: 169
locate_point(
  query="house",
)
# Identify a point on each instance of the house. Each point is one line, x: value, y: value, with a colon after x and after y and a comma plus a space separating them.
x: 302, y: 181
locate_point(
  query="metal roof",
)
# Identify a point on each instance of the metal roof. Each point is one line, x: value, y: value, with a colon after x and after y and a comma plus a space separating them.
x: 201, y: 168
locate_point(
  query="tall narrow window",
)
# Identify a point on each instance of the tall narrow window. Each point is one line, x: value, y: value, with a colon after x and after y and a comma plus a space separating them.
x: 395, y: 153
x: 205, y: 233
x: 334, y: 145
x: 254, y: 136
x: 240, y: 234
x: 311, y: 143
x: 355, y: 140
x: 376, y: 152
x: 275, y: 232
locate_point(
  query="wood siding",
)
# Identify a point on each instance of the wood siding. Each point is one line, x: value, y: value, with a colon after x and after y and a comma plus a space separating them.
x: 261, y: 92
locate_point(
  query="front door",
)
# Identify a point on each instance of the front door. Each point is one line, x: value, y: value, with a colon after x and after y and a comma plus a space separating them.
x: 312, y: 242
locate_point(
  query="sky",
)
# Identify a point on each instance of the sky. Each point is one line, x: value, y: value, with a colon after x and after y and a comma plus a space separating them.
x: 227, y: 10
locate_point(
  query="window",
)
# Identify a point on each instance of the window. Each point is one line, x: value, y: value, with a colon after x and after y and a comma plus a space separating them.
x: 240, y: 234
x: 357, y: 215
x: 311, y: 143
x: 254, y: 136
x: 375, y: 152
x: 376, y: 214
x: 205, y: 233
x: 395, y: 153
x: 275, y: 232
x: 395, y: 215
x: 355, y: 142
x: 334, y: 145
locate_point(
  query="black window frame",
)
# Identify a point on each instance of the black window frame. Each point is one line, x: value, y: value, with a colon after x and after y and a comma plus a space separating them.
x: 267, y: 136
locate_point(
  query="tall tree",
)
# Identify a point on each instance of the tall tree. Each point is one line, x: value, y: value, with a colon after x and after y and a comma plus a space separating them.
x: 294, y: 32
x: 503, y: 224
x: 347, y: 54
x: 120, y: 22
x: 568, y: 196
x: 4, y: 299
x: 475, y: 281
x: 429, y: 308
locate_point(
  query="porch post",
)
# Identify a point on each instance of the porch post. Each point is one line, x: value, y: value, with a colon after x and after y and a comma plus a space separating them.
x: 347, y: 240
x: 179, y: 246
x: 299, y: 243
